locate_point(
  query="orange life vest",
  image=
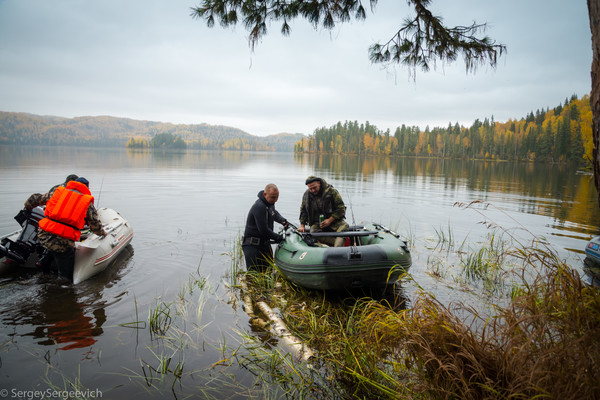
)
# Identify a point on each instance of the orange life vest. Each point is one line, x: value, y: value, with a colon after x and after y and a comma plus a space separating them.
x: 66, y: 210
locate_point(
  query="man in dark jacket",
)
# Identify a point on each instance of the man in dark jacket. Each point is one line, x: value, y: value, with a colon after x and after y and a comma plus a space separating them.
x: 323, y: 210
x: 259, y: 234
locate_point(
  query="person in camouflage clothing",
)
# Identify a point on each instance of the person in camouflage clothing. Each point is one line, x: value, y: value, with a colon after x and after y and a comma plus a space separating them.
x: 68, y: 179
x: 62, y: 249
x: 45, y: 259
x: 323, y: 210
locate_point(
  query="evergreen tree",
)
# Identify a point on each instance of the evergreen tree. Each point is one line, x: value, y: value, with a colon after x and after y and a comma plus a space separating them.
x: 562, y: 140
x: 577, y: 149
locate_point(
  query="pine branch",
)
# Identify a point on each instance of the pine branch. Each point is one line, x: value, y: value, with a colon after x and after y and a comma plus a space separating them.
x: 421, y: 42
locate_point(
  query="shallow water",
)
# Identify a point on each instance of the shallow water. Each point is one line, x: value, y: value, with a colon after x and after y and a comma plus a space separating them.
x: 188, y: 209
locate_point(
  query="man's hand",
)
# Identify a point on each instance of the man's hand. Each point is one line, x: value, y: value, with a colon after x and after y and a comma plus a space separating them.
x: 301, y: 229
x: 326, y: 222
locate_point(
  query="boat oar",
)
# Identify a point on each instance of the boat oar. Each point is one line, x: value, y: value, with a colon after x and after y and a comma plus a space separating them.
x: 342, y: 234
x: 385, y: 229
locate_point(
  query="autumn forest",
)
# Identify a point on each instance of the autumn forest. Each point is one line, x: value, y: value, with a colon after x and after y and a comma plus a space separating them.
x: 561, y: 134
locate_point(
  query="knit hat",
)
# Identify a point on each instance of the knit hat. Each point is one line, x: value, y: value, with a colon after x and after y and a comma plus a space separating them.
x: 311, y: 179
x: 83, y: 180
x: 70, y: 178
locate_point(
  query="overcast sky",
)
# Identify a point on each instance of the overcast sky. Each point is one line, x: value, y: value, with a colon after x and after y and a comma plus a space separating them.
x: 150, y: 60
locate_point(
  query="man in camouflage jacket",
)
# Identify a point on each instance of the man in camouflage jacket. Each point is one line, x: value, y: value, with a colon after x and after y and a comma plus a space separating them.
x: 323, y: 210
x: 61, y: 249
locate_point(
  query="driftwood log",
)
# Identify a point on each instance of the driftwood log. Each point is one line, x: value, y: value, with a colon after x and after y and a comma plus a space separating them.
x: 299, y: 349
x: 278, y: 327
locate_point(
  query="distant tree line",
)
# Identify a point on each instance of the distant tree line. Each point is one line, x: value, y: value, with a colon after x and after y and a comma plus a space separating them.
x: 563, y: 133
x: 28, y: 129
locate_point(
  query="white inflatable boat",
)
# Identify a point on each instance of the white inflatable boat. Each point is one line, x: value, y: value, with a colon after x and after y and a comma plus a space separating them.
x: 92, y: 254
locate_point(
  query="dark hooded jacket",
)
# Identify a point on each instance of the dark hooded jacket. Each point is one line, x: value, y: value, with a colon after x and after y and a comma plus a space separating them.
x: 259, y: 223
x: 327, y: 202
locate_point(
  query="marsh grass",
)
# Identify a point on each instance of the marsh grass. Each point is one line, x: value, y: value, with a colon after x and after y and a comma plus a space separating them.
x: 137, y: 323
x: 68, y: 388
x: 490, y: 264
x: 159, y: 318
x: 249, y: 364
x: 236, y: 255
x: 544, y: 344
x: 445, y: 238
x: 175, y: 330
x: 279, y: 373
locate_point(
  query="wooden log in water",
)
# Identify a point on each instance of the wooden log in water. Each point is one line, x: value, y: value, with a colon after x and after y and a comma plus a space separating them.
x: 276, y: 324
x: 249, y: 308
x: 278, y: 327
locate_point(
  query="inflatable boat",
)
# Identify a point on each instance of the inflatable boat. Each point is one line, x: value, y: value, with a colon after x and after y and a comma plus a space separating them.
x: 93, y: 253
x: 373, y: 257
x: 592, y: 252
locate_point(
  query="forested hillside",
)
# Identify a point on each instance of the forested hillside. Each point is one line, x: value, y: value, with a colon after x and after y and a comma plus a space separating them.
x: 563, y: 133
x: 29, y: 129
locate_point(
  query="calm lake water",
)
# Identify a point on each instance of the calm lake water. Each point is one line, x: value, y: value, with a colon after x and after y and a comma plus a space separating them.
x: 187, y: 211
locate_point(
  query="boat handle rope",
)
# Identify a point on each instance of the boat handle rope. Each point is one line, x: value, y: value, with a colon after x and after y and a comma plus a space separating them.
x: 112, y: 228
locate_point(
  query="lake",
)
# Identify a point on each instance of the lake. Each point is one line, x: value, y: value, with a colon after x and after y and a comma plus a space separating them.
x: 188, y: 210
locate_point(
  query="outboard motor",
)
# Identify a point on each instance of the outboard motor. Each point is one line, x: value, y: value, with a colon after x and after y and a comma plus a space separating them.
x: 21, y: 249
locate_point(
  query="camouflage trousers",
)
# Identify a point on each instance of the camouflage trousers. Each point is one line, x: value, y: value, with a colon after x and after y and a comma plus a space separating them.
x: 54, y: 243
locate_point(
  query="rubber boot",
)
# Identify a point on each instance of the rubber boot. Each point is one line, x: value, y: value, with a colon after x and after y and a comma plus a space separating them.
x: 43, y: 263
x: 339, y: 241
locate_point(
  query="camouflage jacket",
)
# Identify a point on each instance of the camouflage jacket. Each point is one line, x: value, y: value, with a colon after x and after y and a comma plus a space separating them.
x: 327, y: 202
x: 54, y: 242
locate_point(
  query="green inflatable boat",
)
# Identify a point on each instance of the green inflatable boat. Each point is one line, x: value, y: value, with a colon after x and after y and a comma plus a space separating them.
x: 374, y: 257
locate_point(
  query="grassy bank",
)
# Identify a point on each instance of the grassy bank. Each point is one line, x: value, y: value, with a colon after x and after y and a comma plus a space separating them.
x: 544, y: 342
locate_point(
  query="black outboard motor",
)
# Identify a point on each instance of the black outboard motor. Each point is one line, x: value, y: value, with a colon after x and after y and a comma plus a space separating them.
x: 21, y: 249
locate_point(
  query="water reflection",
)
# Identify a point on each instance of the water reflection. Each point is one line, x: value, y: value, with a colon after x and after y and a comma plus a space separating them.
x: 14, y: 156
x: 63, y: 315
x: 57, y: 317
x: 553, y: 190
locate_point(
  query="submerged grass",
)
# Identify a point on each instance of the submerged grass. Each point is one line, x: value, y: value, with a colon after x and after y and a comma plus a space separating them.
x: 489, y: 264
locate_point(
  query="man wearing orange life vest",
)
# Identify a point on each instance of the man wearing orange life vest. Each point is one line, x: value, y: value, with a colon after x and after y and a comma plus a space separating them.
x: 68, y: 209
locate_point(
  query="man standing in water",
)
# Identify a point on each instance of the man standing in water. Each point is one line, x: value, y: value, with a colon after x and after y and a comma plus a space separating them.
x: 259, y: 234
x: 323, y: 210
x: 45, y: 259
x: 67, y: 211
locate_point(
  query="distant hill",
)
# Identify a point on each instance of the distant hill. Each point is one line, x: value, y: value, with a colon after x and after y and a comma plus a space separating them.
x: 30, y: 129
